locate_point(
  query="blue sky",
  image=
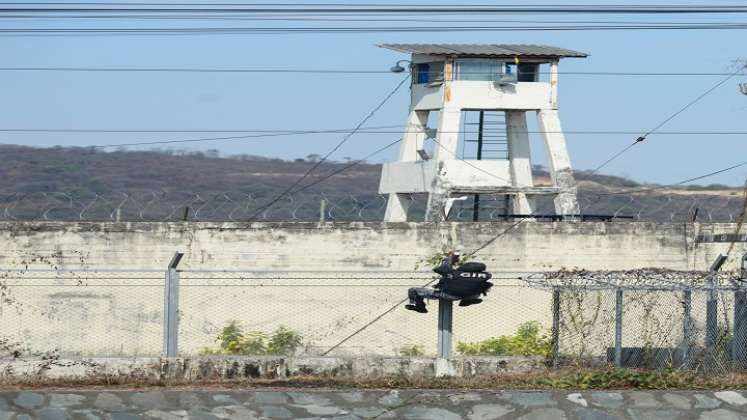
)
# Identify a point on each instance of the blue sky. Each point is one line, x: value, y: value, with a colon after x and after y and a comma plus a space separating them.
x: 322, y: 101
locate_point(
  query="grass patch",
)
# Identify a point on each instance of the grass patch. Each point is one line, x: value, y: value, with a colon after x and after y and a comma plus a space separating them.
x: 565, y: 379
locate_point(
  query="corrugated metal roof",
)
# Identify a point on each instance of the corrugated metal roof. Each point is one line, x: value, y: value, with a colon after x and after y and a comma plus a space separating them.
x: 493, y: 50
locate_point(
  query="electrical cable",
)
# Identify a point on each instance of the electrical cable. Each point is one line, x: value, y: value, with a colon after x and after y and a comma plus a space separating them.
x: 316, y: 71
x: 368, y: 130
x: 338, y: 18
x: 340, y: 30
x: 346, y: 167
x: 396, y: 305
x: 669, y: 118
x: 686, y: 181
x: 264, y: 134
x: 496, y: 237
x: 301, y: 8
x: 333, y: 150
x: 468, y: 163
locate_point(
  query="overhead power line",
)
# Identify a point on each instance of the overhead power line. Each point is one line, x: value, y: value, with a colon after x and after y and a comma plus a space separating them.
x: 208, y: 130
x: 258, y: 134
x: 189, y: 70
x: 396, y: 305
x: 683, y: 182
x: 643, y: 137
x: 368, y: 8
x: 477, y: 168
x: 208, y: 139
x: 316, y: 71
x: 390, y: 129
x: 349, y: 29
x: 346, y: 167
x: 333, y: 150
x: 331, y: 18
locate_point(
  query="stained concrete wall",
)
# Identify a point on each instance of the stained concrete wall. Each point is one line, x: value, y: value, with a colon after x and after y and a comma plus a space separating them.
x: 121, y: 313
x: 361, y: 246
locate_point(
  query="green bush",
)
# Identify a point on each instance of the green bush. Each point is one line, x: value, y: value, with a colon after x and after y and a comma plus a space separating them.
x: 234, y: 341
x: 529, y: 340
x: 284, y: 341
x: 411, y: 350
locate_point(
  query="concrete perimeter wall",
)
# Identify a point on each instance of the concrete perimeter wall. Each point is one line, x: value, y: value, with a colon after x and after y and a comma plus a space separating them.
x: 121, y: 313
x: 360, y: 246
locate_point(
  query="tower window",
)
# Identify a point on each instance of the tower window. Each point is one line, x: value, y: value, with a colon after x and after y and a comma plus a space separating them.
x: 429, y: 72
x: 478, y: 69
x: 528, y: 72
x: 423, y: 72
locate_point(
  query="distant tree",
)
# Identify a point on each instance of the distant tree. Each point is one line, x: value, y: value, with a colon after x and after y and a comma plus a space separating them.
x: 313, y: 158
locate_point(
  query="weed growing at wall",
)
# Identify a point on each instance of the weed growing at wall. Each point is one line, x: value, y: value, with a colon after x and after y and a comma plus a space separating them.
x: 234, y: 341
x: 412, y: 350
x: 9, y: 347
x: 435, y: 260
x: 530, y: 340
x: 623, y: 378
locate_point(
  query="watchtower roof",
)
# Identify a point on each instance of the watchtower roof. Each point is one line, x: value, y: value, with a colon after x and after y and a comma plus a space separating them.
x: 487, y: 50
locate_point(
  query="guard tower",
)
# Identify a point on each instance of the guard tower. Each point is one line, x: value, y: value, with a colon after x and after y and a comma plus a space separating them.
x: 495, y: 79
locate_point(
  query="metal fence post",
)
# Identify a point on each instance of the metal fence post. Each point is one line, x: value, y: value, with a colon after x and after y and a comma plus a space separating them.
x: 711, y: 337
x: 738, y: 350
x: 739, y: 342
x: 171, y: 308
x: 687, y: 306
x: 445, y: 310
x: 555, y: 327
x: 322, y: 210
x: 443, y: 365
x: 618, y: 326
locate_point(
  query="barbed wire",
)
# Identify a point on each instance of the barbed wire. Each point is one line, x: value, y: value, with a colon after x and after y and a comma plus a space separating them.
x: 644, y: 279
x: 168, y: 206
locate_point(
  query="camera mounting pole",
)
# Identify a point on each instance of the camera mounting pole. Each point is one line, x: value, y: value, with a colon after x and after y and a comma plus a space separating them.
x: 445, y: 310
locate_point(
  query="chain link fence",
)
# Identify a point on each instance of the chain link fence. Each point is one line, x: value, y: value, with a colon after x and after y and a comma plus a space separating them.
x: 44, y: 313
x: 642, y: 319
x: 344, y: 207
x: 86, y: 313
x: 649, y: 319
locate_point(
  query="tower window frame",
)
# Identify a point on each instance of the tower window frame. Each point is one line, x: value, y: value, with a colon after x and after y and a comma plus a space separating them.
x: 431, y: 72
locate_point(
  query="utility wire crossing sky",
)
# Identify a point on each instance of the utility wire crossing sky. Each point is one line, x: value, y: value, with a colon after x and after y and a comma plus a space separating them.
x: 98, y: 85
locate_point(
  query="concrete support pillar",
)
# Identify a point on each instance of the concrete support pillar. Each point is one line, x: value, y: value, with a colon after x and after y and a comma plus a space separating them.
x: 412, y: 140
x: 447, y: 142
x: 448, y: 134
x: 559, y: 162
x: 554, y: 84
x: 519, y: 159
x: 436, y: 205
x: 397, y: 207
x: 414, y: 136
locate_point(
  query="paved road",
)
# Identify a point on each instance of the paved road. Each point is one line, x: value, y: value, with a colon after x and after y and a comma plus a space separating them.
x: 411, y: 405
